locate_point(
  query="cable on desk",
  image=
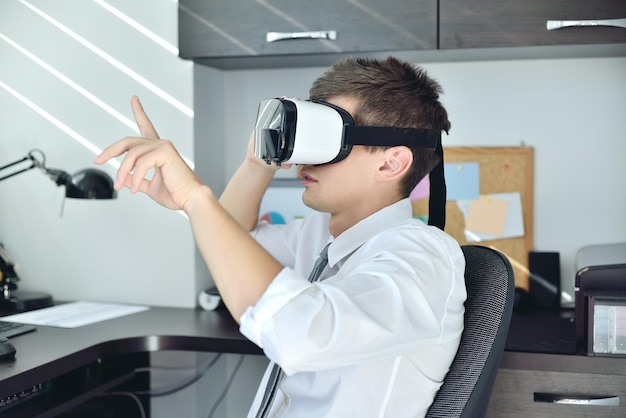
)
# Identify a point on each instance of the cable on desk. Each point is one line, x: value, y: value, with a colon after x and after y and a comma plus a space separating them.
x: 179, y: 386
x: 229, y: 382
x: 142, y: 412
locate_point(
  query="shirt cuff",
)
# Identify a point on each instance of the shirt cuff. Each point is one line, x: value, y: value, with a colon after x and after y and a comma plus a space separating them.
x: 257, y: 320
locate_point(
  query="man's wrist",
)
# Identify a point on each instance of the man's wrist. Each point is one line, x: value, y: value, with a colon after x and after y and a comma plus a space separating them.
x: 198, y: 199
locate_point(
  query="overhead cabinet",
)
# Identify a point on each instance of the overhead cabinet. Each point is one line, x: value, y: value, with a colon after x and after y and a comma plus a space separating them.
x: 511, y: 23
x: 222, y: 32
x: 270, y: 33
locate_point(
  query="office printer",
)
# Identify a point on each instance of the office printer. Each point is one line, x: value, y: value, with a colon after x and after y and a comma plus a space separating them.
x: 600, y: 295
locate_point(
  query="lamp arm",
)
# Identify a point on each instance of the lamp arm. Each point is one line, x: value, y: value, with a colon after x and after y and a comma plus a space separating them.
x: 32, y: 165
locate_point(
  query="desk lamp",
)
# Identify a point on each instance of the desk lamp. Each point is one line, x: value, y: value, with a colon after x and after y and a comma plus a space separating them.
x: 88, y: 183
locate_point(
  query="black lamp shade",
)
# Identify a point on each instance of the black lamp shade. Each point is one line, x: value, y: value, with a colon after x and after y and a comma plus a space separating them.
x: 90, y: 183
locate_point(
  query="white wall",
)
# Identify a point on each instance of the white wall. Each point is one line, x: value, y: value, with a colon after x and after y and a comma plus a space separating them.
x: 572, y: 111
x: 78, y: 64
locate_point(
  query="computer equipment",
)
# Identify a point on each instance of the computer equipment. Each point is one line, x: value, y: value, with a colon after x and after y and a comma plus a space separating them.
x: 599, y: 285
x: 7, y: 350
x: 13, y: 329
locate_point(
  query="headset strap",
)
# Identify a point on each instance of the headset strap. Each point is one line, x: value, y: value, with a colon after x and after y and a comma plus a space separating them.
x: 393, y: 137
x: 437, y: 198
x: 412, y: 138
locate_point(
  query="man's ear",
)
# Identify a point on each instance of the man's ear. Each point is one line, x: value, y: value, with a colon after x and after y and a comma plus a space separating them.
x: 395, y: 163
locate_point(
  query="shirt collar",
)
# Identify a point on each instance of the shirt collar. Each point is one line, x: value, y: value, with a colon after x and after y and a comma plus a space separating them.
x: 351, y: 239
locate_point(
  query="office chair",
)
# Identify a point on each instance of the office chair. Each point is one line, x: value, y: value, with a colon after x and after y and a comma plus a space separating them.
x: 490, y: 284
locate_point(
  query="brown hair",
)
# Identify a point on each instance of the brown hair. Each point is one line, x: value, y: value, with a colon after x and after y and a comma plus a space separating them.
x: 389, y: 92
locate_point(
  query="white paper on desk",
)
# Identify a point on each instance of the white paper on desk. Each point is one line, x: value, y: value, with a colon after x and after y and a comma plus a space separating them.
x: 74, y: 314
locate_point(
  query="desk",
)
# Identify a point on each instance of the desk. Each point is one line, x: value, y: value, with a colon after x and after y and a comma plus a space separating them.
x: 77, y: 355
x: 98, y: 357
x: 528, y: 381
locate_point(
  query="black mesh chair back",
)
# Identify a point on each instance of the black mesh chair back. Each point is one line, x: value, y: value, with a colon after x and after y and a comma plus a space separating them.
x: 490, y: 284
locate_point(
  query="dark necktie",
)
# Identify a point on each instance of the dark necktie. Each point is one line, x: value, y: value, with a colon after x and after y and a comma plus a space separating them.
x: 277, y: 373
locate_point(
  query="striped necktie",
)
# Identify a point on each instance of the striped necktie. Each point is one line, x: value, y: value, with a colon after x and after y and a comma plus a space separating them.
x: 277, y: 373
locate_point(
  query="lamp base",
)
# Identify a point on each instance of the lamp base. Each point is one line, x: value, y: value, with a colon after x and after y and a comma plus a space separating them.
x: 19, y: 301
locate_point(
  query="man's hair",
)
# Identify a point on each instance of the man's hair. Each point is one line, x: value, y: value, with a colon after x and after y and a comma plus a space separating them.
x: 392, y: 93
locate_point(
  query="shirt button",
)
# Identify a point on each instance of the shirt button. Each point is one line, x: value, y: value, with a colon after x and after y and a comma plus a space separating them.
x: 286, y: 400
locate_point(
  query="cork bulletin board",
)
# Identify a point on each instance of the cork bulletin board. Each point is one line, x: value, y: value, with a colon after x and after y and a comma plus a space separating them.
x: 501, y: 173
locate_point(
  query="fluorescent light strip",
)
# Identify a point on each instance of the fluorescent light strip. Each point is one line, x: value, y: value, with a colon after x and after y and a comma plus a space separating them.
x: 78, y: 138
x: 139, y: 27
x: 126, y: 121
x: 141, y: 80
x: 117, y: 115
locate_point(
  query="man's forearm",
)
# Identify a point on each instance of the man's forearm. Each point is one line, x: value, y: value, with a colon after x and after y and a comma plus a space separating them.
x: 244, y: 192
x: 240, y: 267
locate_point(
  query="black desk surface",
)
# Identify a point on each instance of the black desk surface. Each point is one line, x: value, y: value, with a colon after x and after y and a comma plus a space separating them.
x: 543, y: 332
x: 546, y: 341
x: 49, y: 352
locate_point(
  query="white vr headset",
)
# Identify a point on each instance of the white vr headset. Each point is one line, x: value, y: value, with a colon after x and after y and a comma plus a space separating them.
x: 306, y: 132
x: 315, y: 132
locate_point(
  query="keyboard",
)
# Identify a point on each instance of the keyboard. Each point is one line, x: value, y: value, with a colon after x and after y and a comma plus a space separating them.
x: 13, y: 329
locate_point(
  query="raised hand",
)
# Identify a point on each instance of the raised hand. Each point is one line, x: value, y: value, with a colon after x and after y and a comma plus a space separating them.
x: 173, y: 182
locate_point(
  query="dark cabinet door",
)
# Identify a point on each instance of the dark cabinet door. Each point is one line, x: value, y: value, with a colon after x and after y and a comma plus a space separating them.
x: 262, y: 28
x: 505, y: 23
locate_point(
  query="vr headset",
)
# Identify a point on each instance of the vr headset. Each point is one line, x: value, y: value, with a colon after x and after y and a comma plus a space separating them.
x: 316, y: 132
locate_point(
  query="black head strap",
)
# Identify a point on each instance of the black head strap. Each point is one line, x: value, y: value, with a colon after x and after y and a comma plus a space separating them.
x: 412, y: 138
x: 393, y: 137
x: 437, y: 199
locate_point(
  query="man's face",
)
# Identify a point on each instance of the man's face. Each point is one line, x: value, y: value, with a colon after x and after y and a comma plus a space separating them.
x: 340, y: 187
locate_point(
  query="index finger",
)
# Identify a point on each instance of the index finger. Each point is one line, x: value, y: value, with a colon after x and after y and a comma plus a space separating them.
x: 146, y: 128
x: 116, y: 149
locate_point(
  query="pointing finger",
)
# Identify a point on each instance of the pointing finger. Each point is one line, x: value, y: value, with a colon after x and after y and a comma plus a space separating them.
x: 144, y: 124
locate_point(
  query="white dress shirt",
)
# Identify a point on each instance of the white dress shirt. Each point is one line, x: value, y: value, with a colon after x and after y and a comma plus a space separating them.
x: 376, y: 335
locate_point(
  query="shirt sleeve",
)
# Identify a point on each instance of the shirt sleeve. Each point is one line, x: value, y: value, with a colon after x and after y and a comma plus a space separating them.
x: 256, y: 320
x: 288, y: 243
x: 277, y: 240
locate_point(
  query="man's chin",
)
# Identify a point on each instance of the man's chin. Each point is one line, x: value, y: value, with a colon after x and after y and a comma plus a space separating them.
x: 309, y: 202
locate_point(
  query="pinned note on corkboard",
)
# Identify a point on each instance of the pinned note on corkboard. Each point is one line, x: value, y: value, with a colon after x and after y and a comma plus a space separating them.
x: 490, y: 201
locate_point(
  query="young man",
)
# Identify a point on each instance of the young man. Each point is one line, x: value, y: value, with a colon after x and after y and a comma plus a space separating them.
x: 376, y: 334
